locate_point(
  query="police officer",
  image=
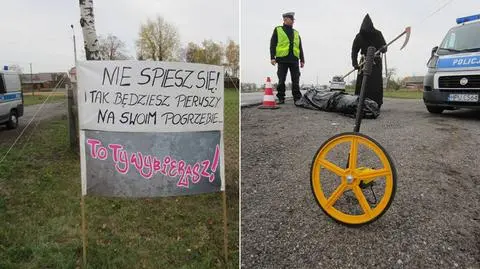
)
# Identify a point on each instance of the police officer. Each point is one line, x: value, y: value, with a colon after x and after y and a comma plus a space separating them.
x: 286, y: 50
x: 369, y: 36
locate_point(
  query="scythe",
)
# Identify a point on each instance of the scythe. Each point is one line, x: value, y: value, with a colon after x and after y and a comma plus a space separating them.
x: 406, y: 32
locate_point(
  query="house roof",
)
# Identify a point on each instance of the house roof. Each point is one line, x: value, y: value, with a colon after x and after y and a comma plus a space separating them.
x: 27, y: 81
x: 413, y: 79
x: 39, y: 77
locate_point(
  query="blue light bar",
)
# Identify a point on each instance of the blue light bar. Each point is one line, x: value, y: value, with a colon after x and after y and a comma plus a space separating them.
x: 467, y: 19
x: 5, y: 67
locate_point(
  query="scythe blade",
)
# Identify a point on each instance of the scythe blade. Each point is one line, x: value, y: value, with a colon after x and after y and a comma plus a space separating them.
x: 408, y: 30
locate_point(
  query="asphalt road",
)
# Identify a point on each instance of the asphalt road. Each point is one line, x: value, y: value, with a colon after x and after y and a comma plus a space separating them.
x: 255, y: 98
x: 434, y: 221
x: 38, y: 114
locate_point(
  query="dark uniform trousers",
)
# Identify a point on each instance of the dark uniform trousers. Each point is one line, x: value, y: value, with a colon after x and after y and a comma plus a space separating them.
x: 282, y: 76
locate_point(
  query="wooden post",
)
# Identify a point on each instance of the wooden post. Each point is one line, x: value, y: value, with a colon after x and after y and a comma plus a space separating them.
x: 87, y: 21
x: 225, y: 230
x: 84, y: 232
x: 72, y: 132
x: 31, y: 80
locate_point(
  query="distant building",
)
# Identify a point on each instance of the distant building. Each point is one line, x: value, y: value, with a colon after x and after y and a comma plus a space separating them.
x: 414, y: 82
x: 41, y: 81
x: 249, y: 87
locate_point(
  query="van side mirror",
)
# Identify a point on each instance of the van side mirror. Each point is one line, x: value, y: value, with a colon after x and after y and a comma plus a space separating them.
x: 434, y: 49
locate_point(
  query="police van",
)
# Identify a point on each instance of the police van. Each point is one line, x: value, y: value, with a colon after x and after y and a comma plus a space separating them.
x: 453, y: 77
x: 11, y: 98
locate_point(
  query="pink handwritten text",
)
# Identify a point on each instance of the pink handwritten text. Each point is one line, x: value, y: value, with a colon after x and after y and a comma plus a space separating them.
x: 148, y: 166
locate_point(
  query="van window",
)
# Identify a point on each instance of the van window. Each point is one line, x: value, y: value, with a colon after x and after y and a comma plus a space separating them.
x: 2, y: 84
x: 462, y: 39
x: 451, y: 41
x: 12, y: 82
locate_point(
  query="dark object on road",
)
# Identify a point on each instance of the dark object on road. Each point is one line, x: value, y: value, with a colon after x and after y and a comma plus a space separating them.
x: 337, y: 101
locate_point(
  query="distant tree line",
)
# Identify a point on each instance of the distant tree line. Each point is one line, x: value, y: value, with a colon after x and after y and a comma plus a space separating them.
x: 159, y: 40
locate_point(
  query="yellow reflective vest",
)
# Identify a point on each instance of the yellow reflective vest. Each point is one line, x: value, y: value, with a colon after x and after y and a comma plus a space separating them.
x: 283, y: 44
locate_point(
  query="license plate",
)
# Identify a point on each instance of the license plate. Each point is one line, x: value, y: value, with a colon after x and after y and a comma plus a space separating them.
x: 463, y: 97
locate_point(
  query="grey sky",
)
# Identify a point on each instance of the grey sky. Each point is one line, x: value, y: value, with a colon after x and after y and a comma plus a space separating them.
x: 327, y: 29
x: 33, y: 31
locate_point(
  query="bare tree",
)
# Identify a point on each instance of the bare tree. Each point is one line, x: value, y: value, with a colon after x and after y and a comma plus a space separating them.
x: 232, y: 55
x: 391, y: 72
x: 112, y: 48
x: 182, y: 54
x: 209, y: 52
x: 87, y: 21
x: 158, y: 40
x: 194, y: 53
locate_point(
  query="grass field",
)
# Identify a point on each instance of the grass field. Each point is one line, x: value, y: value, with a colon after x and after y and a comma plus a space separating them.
x: 40, y: 97
x: 404, y: 94
x: 40, y: 223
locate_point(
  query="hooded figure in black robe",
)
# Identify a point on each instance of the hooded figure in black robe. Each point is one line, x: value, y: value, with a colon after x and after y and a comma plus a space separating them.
x: 369, y: 36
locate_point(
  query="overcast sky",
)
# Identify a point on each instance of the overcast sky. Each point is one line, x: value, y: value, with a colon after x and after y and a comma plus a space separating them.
x: 327, y: 29
x: 40, y: 33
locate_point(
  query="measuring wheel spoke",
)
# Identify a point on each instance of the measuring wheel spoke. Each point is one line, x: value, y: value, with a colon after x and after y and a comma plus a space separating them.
x: 336, y: 195
x: 363, y: 201
x: 332, y: 167
x: 352, y: 157
x: 371, y: 174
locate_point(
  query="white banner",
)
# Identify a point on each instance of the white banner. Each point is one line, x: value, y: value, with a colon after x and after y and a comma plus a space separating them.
x: 147, y: 96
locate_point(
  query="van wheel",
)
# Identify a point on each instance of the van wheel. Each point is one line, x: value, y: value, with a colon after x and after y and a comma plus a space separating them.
x: 13, y: 120
x: 435, y: 109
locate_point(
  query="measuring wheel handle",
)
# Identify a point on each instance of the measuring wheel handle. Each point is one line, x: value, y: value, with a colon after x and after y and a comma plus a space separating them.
x: 367, y: 71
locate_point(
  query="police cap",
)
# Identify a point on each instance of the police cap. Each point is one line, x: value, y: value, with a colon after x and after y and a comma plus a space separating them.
x: 290, y: 15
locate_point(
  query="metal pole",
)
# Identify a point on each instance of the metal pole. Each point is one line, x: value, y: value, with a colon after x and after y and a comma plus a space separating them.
x: 386, y: 71
x: 31, y: 78
x: 74, y: 44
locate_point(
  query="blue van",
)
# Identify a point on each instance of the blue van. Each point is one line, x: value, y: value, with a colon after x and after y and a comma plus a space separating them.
x: 453, y: 77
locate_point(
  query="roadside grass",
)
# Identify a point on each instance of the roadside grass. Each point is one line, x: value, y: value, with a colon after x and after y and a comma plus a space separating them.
x: 400, y: 94
x: 404, y: 94
x: 29, y: 99
x: 231, y: 136
x: 40, y: 220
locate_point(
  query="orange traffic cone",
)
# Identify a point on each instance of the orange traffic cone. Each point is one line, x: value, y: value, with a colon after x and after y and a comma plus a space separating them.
x: 268, y: 98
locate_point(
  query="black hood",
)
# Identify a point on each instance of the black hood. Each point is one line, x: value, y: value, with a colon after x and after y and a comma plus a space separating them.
x: 367, y: 25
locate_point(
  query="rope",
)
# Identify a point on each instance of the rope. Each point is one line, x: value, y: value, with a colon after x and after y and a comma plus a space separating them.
x: 38, y: 122
x: 434, y: 12
x: 31, y: 120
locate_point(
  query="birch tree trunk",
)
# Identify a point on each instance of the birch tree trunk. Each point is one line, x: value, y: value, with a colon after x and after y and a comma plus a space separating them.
x: 87, y: 21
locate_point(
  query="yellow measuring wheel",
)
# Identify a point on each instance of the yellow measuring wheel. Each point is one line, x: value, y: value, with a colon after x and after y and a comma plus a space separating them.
x: 347, y: 164
x: 336, y: 187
